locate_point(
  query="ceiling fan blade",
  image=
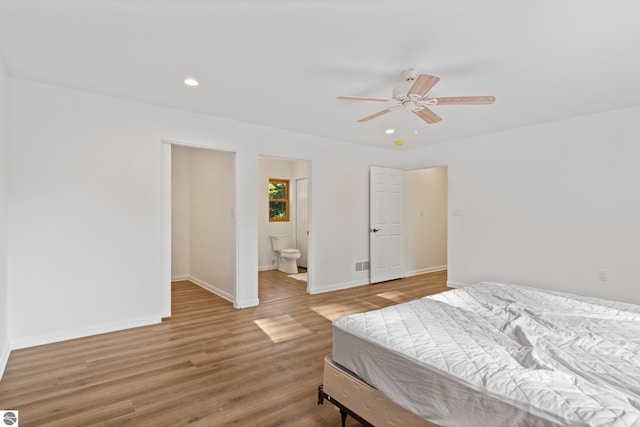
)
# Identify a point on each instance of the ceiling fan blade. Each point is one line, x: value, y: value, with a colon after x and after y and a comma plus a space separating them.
x: 423, y: 84
x: 363, y: 98
x: 428, y: 116
x: 465, y: 100
x: 378, y: 114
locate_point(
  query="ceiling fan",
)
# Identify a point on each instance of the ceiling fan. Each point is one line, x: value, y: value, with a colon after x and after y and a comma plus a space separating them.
x: 412, y: 96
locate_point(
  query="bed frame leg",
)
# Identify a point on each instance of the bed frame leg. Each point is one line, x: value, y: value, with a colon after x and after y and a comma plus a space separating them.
x: 320, y: 395
x: 343, y: 415
x: 344, y: 411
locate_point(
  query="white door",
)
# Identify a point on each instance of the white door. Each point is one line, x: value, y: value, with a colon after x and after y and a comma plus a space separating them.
x: 387, y: 224
x: 302, y: 220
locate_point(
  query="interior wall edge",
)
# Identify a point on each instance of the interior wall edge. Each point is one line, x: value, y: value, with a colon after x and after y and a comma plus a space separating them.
x: 211, y: 288
x: 5, y: 348
x: 4, y: 358
x: 246, y: 303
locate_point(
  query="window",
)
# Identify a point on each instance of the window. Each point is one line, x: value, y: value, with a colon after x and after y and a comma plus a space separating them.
x: 278, y: 199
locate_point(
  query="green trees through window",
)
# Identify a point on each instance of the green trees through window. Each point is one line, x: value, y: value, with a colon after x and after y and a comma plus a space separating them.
x: 278, y: 199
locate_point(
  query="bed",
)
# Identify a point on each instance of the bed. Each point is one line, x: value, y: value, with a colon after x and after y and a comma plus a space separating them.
x: 491, y: 354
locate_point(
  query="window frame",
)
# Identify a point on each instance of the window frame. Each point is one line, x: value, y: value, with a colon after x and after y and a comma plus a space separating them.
x: 286, y: 200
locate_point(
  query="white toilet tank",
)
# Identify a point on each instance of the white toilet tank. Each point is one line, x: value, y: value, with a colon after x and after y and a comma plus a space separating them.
x: 280, y: 242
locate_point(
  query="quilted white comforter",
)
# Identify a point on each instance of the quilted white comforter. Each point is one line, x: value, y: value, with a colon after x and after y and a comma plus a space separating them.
x: 501, y: 355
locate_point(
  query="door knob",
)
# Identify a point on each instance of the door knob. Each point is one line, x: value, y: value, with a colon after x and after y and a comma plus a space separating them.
x: 374, y: 230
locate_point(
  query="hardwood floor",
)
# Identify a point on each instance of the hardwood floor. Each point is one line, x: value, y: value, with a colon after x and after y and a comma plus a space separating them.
x: 274, y: 285
x: 208, y: 365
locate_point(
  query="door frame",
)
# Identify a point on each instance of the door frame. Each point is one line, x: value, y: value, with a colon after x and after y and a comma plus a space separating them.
x: 306, y: 249
x: 433, y: 268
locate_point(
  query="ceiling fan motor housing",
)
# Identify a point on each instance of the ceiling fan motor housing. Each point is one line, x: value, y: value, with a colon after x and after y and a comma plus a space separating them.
x: 409, y: 75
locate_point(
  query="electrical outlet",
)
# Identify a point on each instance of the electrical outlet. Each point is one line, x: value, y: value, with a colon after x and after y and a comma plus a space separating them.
x: 602, y: 275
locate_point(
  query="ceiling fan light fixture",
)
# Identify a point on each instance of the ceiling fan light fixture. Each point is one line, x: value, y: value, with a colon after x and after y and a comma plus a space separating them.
x: 410, y: 104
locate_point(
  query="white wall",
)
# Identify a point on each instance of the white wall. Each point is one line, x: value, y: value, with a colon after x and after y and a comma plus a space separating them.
x: 426, y: 220
x: 212, y: 221
x: 546, y: 206
x: 179, y: 213
x: 4, y: 294
x: 85, y: 196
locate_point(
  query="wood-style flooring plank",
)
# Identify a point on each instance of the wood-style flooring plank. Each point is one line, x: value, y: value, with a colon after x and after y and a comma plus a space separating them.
x: 207, y: 365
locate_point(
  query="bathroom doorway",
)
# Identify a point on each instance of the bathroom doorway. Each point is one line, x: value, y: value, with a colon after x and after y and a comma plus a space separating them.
x: 283, y: 210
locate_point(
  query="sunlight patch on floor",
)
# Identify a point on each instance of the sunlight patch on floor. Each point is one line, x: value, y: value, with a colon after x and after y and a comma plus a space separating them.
x: 282, y: 328
x: 394, y: 296
x: 333, y: 311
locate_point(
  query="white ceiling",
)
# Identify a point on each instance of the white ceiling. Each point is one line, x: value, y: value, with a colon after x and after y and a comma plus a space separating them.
x: 282, y: 63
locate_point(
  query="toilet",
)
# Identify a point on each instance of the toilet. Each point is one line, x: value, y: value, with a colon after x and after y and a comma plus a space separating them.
x: 288, y: 256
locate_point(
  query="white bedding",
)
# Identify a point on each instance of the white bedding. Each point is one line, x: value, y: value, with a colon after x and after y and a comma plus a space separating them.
x: 500, y: 355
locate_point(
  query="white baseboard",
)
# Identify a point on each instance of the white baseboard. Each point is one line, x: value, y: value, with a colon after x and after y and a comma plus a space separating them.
x: 455, y: 284
x: 211, y: 288
x: 268, y: 267
x: 4, y: 358
x: 179, y: 278
x: 337, y: 287
x: 425, y: 270
x: 70, y: 334
x: 246, y: 303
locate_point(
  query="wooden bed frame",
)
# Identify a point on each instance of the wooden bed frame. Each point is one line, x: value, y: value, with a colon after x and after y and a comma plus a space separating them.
x: 359, y: 400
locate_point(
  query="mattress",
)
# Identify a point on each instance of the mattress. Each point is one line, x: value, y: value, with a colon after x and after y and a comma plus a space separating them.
x: 494, y: 354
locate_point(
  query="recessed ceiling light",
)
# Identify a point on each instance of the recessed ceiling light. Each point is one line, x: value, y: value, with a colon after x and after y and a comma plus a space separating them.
x: 399, y: 143
x: 191, y: 82
x: 389, y: 131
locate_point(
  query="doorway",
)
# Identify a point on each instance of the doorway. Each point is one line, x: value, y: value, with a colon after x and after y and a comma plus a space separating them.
x: 292, y: 222
x: 427, y: 220
x: 199, y: 218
